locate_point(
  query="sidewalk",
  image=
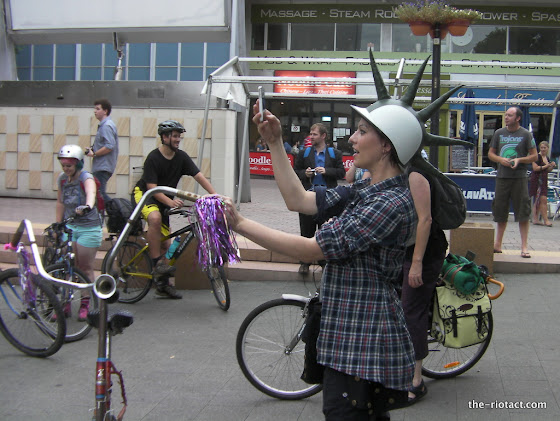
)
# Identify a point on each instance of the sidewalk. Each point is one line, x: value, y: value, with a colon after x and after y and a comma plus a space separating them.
x: 178, y: 361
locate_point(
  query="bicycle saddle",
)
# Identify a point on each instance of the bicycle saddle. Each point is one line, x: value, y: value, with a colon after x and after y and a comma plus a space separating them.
x: 116, y: 322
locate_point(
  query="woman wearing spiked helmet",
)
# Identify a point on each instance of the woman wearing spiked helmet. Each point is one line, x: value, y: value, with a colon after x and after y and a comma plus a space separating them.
x: 363, y: 341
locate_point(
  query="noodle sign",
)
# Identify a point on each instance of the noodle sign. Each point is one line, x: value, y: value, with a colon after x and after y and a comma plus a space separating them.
x: 261, y: 164
x: 321, y: 89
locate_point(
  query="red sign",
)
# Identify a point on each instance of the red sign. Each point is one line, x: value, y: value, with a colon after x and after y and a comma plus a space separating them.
x: 261, y: 164
x: 322, y: 89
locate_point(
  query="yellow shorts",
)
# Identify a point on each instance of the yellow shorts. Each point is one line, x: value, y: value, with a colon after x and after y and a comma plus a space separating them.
x: 152, y: 205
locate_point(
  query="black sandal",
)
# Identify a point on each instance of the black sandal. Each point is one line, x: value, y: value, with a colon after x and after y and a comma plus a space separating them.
x: 419, y: 392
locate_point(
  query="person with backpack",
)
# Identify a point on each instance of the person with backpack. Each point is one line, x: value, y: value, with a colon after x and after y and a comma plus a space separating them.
x: 105, y: 149
x: 77, y: 192
x: 422, y: 265
x: 165, y: 166
x: 317, y: 165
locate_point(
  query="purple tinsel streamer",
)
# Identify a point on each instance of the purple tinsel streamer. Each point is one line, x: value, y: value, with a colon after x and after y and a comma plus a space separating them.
x: 216, y: 241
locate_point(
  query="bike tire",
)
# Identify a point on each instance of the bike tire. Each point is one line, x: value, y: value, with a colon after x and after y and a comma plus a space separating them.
x: 70, y: 300
x: 261, y: 350
x: 132, y: 270
x: 445, y: 363
x: 32, y: 329
x: 220, y: 286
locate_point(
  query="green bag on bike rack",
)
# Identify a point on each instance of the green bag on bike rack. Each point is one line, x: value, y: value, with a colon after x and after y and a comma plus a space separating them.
x: 462, y: 273
x: 460, y: 320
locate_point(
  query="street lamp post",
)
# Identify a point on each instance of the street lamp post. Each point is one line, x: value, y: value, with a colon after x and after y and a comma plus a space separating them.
x: 436, y: 64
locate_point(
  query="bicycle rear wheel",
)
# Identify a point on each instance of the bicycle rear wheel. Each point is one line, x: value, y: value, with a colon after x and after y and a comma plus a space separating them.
x: 444, y: 363
x: 132, y: 270
x: 220, y: 286
x: 71, y: 300
x: 263, y: 350
x: 36, y: 328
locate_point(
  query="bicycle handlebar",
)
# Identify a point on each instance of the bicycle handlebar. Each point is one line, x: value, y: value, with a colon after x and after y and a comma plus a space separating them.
x: 500, y: 284
x: 99, y: 284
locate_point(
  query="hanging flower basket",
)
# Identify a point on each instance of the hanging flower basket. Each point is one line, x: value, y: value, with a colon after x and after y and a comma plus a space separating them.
x: 420, y: 28
x: 458, y: 27
x: 433, y: 12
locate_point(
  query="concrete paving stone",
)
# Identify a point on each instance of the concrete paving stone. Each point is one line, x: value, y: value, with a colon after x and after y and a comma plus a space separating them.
x: 531, y: 416
x: 223, y: 412
x: 519, y: 372
x: 483, y: 415
x: 547, y: 348
x: 516, y: 353
x: 526, y: 388
x: 202, y: 339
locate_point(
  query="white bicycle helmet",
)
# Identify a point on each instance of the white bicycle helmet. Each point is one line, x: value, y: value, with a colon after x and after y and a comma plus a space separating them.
x: 400, y: 126
x: 71, y: 151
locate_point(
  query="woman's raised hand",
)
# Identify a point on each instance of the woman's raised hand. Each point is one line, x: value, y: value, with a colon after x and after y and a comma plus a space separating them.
x: 270, y: 128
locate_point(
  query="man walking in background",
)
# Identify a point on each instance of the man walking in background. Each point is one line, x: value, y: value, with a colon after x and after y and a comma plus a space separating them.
x: 105, y: 148
x: 317, y: 166
x: 512, y: 148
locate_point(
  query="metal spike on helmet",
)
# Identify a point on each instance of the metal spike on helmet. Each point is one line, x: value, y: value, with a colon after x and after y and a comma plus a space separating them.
x: 404, y: 126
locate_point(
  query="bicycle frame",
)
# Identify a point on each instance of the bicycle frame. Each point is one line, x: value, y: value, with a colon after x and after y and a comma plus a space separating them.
x: 104, y: 287
x: 184, y: 243
x: 137, y: 213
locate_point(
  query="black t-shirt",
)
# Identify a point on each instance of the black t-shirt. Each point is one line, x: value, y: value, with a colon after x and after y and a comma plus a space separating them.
x: 166, y: 172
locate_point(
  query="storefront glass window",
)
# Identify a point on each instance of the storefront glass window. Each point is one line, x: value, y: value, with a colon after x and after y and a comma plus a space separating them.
x: 357, y: 37
x: 492, y: 40
x: 313, y: 37
x: 139, y: 62
x: 277, y: 36
x: 23, y: 61
x: 65, y: 62
x: 166, y: 61
x: 257, y: 37
x: 534, y: 41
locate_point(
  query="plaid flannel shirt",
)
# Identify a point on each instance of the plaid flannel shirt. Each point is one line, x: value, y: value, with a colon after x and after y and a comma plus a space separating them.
x: 363, y: 330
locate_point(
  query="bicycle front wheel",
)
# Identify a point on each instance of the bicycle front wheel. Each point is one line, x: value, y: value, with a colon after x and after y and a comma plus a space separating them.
x: 35, y: 326
x: 444, y: 363
x: 132, y: 269
x: 269, y: 350
x: 220, y: 286
x: 72, y: 300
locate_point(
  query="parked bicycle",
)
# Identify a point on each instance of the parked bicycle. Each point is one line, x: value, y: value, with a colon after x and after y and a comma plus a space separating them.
x: 105, y: 289
x: 271, y: 354
x: 132, y: 266
x: 31, y: 317
x: 58, y: 260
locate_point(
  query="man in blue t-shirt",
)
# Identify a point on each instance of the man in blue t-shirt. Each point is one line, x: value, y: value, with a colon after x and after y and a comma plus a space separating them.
x: 317, y: 166
x: 512, y: 148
